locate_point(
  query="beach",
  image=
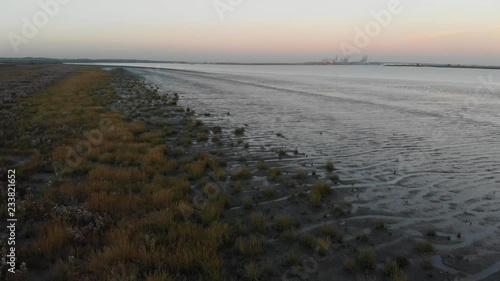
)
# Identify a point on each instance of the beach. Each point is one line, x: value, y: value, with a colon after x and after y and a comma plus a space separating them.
x: 193, y: 174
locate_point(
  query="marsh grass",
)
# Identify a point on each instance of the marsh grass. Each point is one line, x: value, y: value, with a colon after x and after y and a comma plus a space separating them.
x: 274, y: 173
x: 258, y: 222
x: 323, y: 245
x: 301, y: 174
x: 248, y: 203
x: 424, y: 247
x: 292, y: 258
x: 322, y: 188
x: 283, y: 222
x: 251, y: 272
x: 379, y: 225
x: 270, y: 192
x: 262, y: 165
x: 131, y: 179
x: 315, y: 199
x: 308, y: 240
x: 239, y: 131
x: 242, y: 174
x: 331, y: 233
x: 339, y: 212
x: 237, y: 187
x: 330, y: 166
x: 350, y: 265
x: 249, y: 247
x: 366, y: 260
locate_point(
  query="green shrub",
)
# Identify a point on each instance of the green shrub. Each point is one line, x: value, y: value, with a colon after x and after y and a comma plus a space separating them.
x: 308, y: 240
x: 427, y: 264
x: 262, y: 165
x: 301, y: 174
x: 237, y: 187
x: 339, y: 212
x: 242, y: 174
x: 251, y: 272
x: 249, y: 247
x: 402, y: 260
x: 425, y: 247
x: 283, y: 222
x: 362, y: 238
x: 350, y: 265
x: 239, y: 131
x: 391, y: 268
x: 247, y: 203
x: 323, y: 245
x: 274, y: 173
x: 217, y: 130
x: 367, y: 260
x: 330, y: 166
x: 322, y: 188
x: 291, y: 259
x: 270, y: 192
x: 258, y: 222
x: 379, y: 225
x: 315, y: 199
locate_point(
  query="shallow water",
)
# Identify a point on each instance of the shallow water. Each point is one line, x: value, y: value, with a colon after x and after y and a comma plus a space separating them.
x: 421, y: 143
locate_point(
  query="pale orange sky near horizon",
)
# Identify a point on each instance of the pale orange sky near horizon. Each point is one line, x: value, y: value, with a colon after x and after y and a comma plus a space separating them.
x: 443, y: 31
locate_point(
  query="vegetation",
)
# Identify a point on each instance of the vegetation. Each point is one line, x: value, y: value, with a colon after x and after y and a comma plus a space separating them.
x: 251, y: 272
x: 362, y: 238
x: 367, y: 261
x: 239, y: 131
x: 379, y: 225
x: 424, y: 247
x: 247, y: 203
x: 339, y: 212
x: 301, y: 174
x: 315, y: 199
x: 291, y: 259
x: 281, y: 152
x: 242, y: 174
x: 270, y: 192
x: 258, y: 222
x: 128, y: 177
x: 283, y: 223
x: 274, y: 173
x: 249, y: 247
x: 308, y: 240
x: 262, y: 165
x: 323, y: 245
x: 350, y: 265
x: 330, y: 166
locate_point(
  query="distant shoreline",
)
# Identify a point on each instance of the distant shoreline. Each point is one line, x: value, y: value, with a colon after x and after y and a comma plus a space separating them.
x: 444, y: 66
x: 31, y: 60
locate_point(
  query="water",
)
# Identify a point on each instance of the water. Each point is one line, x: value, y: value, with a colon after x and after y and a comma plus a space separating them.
x: 422, y: 143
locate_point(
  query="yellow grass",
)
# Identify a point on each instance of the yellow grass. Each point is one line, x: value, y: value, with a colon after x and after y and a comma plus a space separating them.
x: 131, y: 177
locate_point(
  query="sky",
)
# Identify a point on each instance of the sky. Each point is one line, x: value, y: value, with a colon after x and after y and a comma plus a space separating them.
x: 434, y: 31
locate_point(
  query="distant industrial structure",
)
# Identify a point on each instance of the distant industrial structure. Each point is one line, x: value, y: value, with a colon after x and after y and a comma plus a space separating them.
x: 346, y: 60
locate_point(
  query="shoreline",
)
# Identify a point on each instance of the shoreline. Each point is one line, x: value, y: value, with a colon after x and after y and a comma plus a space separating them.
x: 248, y: 183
